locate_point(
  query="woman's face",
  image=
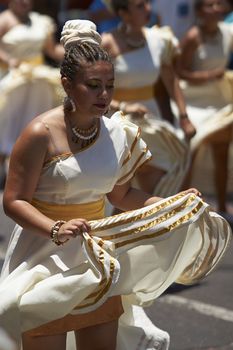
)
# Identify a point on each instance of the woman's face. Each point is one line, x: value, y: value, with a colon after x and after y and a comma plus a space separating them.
x: 211, y: 10
x: 138, y: 13
x: 21, y: 7
x: 92, y: 89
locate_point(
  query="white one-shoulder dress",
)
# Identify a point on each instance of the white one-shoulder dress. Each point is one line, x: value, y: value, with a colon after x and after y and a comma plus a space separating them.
x: 136, y: 255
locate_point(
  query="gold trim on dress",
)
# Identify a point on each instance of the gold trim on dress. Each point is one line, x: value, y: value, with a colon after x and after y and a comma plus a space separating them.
x: 137, y: 137
x: 135, y: 166
x: 146, y: 214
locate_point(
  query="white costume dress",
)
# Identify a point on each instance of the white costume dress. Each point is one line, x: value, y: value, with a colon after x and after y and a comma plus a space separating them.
x: 136, y: 73
x: 178, y: 239
x: 33, y: 87
x: 209, y: 105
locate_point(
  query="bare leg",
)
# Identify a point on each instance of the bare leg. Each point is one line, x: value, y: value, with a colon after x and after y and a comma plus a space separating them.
x: 220, y: 155
x: 102, y: 336
x: 51, y: 342
x: 220, y: 143
x: 148, y: 176
x: 2, y: 169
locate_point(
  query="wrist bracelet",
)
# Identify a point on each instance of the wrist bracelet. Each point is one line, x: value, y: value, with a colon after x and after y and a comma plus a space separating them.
x: 183, y: 116
x: 54, y: 232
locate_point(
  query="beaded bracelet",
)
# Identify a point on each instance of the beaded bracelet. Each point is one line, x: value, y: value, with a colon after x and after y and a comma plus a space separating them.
x: 54, y: 232
x: 183, y: 116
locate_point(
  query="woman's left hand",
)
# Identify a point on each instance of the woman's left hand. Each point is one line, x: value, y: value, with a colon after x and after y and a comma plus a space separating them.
x: 192, y: 190
x: 188, y: 128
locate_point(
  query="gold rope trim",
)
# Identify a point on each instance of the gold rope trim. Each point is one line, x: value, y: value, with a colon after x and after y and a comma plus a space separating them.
x: 132, y: 147
x: 205, y: 267
x: 101, y: 289
x: 161, y: 232
x: 134, y: 168
x: 159, y: 220
x: 146, y: 214
x: 56, y: 158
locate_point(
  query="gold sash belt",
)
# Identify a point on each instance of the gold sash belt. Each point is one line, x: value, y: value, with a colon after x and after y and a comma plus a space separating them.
x: 33, y: 61
x: 89, y: 211
x: 134, y: 94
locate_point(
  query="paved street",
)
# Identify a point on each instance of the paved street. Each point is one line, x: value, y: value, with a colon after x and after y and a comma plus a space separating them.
x: 197, y: 317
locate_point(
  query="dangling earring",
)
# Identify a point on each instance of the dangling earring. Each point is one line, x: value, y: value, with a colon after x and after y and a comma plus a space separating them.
x: 72, y: 104
x: 69, y: 104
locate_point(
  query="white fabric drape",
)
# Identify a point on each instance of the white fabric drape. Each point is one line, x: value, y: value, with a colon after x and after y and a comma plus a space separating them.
x: 137, y: 254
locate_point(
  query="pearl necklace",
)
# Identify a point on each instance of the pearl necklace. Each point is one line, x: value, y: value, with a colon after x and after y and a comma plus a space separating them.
x: 131, y: 43
x: 85, y: 136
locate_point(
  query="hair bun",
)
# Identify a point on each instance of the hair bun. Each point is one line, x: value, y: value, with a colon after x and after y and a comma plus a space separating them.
x: 78, y: 31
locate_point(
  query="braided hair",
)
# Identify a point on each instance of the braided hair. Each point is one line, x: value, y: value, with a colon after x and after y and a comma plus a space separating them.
x: 79, y: 54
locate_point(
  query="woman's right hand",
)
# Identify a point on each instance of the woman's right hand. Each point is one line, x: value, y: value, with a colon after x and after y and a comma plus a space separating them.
x: 216, y: 73
x: 73, y: 228
x: 13, y: 62
x: 136, y: 110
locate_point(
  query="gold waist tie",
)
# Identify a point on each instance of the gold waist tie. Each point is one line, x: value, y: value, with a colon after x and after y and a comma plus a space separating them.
x: 33, y: 61
x: 89, y: 211
x: 134, y: 94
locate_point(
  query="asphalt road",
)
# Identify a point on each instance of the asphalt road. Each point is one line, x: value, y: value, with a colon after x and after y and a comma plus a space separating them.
x: 196, y: 317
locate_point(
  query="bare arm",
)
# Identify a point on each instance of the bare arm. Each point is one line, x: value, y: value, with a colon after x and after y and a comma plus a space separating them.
x: 5, y: 25
x: 125, y: 197
x: 171, y: 83
x: 53, y: 49
x: 25, y: 167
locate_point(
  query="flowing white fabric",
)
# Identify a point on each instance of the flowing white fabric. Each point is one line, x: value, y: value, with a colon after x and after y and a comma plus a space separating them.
x: 178, y: 239
x: 136, y: 331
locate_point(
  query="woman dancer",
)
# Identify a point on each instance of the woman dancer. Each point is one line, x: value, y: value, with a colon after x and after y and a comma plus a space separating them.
x: 207, y: 87
x: 141, y: 55
x: 63, y: 272
x: 27, y: 86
